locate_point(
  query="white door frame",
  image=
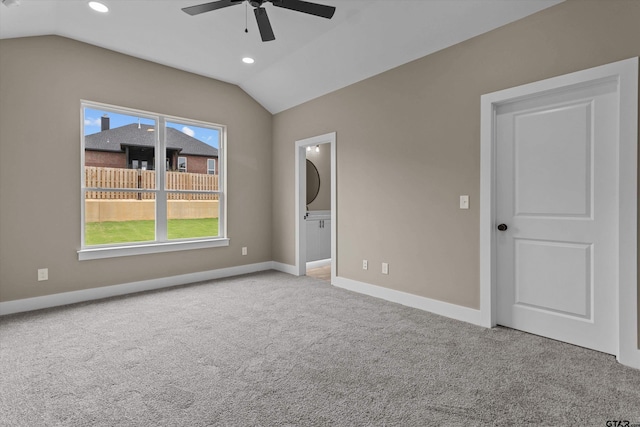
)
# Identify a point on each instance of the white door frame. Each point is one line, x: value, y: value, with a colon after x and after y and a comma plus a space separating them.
x: 300, y: 190
x: 626, y: 73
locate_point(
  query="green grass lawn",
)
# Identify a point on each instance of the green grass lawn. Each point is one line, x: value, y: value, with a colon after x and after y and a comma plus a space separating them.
x: 101, y: 233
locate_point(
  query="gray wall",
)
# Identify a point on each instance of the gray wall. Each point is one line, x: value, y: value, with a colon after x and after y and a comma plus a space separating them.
x: 42, y: 80
x: 408, y: 144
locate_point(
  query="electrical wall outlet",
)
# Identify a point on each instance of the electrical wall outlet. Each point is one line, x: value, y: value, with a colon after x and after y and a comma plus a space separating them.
x: 244, y: 250
x: 43, y: 274
x: 385, y: 268
x: 365, y: 264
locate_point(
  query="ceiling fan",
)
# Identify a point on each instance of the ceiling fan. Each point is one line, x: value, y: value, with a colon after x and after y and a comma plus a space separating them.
x: 266, y: 32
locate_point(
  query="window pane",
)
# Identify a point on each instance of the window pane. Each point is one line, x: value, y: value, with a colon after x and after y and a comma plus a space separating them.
x: 190, y: 149
x: 119, y: 150
x: 119, y: 217
x: 192, y: 215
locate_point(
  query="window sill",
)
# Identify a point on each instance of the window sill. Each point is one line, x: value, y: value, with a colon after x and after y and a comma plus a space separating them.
x: 149, y: 248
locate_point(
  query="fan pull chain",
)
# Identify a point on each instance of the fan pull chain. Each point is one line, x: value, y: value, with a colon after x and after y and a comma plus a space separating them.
x: 246, y: 29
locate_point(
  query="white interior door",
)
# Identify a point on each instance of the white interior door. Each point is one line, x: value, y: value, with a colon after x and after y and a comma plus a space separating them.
x: 556, y: 175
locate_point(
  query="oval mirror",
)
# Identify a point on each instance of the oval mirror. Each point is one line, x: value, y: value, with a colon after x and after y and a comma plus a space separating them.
x: 313, y: 182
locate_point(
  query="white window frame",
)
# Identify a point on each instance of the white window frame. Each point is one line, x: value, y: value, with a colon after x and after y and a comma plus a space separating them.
x: 185, y: 164
x: 211, y: 171
x: 162, y: 243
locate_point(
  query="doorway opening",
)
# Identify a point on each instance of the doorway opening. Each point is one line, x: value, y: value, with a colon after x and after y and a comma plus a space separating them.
x: 315, y: 189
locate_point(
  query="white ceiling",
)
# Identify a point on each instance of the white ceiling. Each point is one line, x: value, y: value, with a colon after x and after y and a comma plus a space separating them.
x: 310, y: 57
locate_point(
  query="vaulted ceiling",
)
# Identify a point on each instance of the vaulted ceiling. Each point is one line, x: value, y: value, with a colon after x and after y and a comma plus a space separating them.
x: 310, y: 57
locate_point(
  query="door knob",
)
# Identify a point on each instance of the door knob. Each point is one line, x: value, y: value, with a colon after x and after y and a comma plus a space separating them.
x: 502, y: 227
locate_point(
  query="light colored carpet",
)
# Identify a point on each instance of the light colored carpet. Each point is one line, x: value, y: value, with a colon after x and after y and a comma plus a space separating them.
x: 271, y: 349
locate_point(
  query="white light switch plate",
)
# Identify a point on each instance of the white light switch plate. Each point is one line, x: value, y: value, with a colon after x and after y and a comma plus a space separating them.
x: 464, y: 202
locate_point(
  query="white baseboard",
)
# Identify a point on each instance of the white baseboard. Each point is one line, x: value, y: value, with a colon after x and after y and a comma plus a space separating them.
x: 55, y: 300
x: 438, y: 307
x: 318, y: 263
x: 441, y: 308
x: 285, y: 268
x: 630, y: 357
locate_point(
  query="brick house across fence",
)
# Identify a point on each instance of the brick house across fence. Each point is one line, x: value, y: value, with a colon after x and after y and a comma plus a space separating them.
x: 132, y: 147
x: 124, y: 158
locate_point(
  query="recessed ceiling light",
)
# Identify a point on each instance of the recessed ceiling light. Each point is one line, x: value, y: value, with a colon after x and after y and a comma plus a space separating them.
x: 98, y: 7
x: 248, y: 60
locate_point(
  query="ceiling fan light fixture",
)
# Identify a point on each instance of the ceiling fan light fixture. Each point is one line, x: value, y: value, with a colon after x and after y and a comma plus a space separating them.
x: 98, y: 7
x: 248, y: 60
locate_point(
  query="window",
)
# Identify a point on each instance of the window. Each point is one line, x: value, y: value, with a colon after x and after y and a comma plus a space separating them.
x: 182, y: 164
x: 211, y: 166
x: 132, y: 205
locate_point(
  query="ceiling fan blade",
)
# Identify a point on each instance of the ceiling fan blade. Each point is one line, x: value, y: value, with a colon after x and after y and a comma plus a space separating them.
x: 263, y: 24
x: 306, y: 7
x: 208, y: 7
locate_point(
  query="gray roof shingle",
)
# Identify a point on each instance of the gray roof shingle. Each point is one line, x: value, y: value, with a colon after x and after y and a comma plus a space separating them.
x: 142, y: 136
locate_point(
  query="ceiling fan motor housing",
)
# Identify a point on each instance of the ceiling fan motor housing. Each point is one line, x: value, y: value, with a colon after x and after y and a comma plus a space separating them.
x: 266, y: 32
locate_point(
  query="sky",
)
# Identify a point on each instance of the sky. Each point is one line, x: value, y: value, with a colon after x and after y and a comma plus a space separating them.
x: 92, y: 125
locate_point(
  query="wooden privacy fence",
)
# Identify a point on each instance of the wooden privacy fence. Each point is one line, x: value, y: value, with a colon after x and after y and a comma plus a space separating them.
x: 117, y: 178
